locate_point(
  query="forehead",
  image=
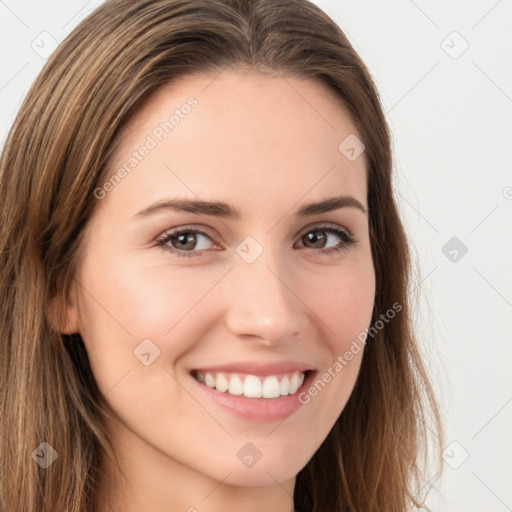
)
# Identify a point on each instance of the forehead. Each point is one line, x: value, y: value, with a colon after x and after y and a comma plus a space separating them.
x: 240, y: 134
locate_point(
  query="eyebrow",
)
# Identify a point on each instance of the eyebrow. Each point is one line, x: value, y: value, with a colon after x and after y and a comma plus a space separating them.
x: 221, y: 209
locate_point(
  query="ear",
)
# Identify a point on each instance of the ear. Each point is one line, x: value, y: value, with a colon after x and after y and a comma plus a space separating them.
x: 63, y: 313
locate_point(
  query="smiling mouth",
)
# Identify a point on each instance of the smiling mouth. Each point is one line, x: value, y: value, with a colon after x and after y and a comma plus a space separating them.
x: 252, y: 386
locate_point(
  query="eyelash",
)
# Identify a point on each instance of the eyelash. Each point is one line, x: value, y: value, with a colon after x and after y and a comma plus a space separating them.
x: 344, y: 235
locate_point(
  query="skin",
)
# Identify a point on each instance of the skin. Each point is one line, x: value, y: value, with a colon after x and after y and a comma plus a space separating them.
x: 265, y: 145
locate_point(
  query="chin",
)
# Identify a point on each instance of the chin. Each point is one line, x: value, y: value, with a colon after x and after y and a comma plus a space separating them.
x: 261, y: 476
x: 276, y: 466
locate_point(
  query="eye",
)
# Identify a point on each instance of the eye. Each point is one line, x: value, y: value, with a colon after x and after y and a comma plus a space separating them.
x: 184, y: 239
x: 320, y: 235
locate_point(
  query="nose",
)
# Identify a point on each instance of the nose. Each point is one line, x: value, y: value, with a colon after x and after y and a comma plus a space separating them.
x: 262, y: 303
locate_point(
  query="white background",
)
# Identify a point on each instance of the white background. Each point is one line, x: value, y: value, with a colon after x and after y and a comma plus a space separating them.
x: 450, y: 116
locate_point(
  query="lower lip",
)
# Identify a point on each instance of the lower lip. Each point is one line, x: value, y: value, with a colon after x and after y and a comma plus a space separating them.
x: 257, y: 409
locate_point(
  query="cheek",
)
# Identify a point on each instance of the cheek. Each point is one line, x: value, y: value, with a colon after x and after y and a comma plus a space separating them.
x: 133, y: 302
x: 344, y: 300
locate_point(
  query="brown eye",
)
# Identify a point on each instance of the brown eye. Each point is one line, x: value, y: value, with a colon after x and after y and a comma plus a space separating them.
x: 318, y: 238
x: 183, y: 241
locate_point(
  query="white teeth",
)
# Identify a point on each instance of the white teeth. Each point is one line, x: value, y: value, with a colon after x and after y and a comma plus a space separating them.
x: 271, y: 387
x: 209, y: 380
x: 253, y: 386
x: 235, y: 386
x: 285, y: 386
x: 221, y: 383
x: 294, y: 383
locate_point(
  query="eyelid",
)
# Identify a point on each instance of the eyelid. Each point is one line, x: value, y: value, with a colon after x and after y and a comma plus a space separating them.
x: 162, y: 238
x: 320, y: 225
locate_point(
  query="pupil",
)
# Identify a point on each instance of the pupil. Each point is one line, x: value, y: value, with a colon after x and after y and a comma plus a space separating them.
x: 314, y: 238
x: 187, y: 238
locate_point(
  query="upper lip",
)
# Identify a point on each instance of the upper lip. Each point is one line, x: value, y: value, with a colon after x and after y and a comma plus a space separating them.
x: 257, y: 368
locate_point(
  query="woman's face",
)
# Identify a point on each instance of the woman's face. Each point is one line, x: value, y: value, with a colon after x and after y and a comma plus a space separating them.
x: 251, y: 285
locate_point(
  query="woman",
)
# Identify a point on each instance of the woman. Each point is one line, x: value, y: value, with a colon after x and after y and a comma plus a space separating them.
x: 204, y: 275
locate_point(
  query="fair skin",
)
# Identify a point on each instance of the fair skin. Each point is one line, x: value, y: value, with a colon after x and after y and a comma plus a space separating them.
x: 266, y: 146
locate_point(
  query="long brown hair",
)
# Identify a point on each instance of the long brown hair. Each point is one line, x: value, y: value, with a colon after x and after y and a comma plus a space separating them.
x: 58, y: 152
